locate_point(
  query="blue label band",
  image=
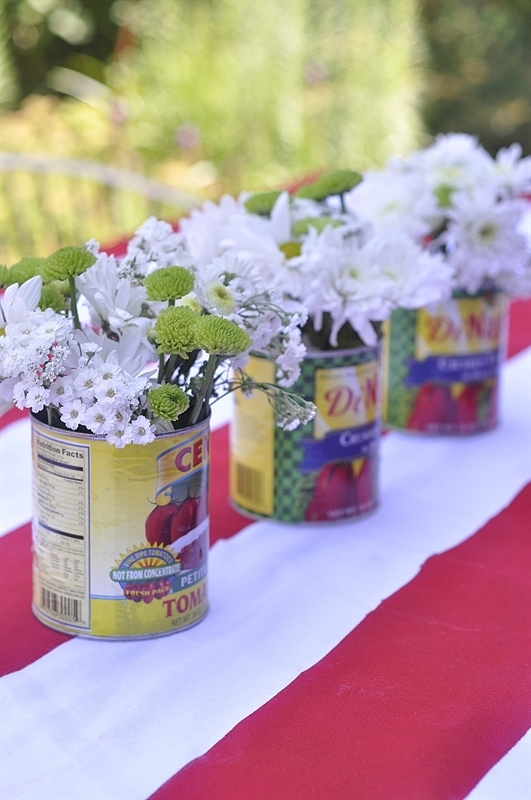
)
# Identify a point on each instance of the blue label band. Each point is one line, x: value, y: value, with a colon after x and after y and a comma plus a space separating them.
x: 340, y: 445
x: 453, y: 369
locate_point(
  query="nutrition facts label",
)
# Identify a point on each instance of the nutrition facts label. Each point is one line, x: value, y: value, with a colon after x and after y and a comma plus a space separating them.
x: 61, y: 518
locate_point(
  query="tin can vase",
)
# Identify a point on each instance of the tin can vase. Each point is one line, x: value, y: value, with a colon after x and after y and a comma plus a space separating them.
x: 324, y: 471
x: 441, y: 365
x: 120, y: 536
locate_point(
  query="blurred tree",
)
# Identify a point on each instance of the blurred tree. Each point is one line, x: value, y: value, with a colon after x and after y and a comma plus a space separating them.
x: 75, y: 34
x: 479, y: 65
x: 8, y: 77
x: 477, y: 52
x: 244, y: 92
x: 275, y: 87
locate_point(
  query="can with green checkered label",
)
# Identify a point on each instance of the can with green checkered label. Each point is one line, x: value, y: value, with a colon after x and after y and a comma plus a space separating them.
x: 441, y: 365
x: 325, y: 470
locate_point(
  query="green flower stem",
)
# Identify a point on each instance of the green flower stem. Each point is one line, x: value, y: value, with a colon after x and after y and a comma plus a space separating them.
x: 160, y: 376
x: 73, y: 301
x: 206, y: 386
x: 343, y: 206
x: 170, y: 367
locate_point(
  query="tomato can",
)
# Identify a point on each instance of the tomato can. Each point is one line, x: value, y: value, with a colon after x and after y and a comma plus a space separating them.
x: 120, y: 536
x: 441, y: 365
x: 323, y: 471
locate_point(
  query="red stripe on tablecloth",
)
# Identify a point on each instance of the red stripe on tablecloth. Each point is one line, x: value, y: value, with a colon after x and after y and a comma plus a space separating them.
x: 418, y: 702
x: 24, y: 639
x: 13, y: 415
x: 519, y: 327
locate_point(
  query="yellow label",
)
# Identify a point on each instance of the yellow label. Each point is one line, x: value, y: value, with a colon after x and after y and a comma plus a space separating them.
x: 253, y: 444
x: 178, y: 610
x: 466, y: 325
x: 120, y: 534
x: 346, y: 397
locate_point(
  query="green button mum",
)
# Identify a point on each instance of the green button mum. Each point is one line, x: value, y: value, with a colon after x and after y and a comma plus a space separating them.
x: 261, y: 203
x: 332, y: 183
x: 168, y: 401
x: 23, y: 270
x: 175, y: 331
x: 169, y: 283
x: 218, y: 336
x: 68, y: 262
x: 302, y: 226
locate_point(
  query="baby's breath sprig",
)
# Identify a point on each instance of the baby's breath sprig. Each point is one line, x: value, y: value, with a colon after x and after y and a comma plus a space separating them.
x: 290, y: 409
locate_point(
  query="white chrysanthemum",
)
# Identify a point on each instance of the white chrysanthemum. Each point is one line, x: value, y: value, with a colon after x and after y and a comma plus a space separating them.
x: 394, y: 200
x: 227, y: 285
x: 483, y: 239
x: 205, y: 228
x: 112, y: 301
x: 131, y: 353
x: 455, y: 161
x: 511, y: 172
x: 18, y: 301
x: 257, y: 239
x: 419, y: 277
x: 348, y: 284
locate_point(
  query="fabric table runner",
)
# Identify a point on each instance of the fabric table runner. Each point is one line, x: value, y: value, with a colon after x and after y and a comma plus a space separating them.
x: 382, y: 659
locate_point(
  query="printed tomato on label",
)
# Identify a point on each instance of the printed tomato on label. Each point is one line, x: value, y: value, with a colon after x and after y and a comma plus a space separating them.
x: 193, y: 555
x: 468, y: 404
x: 335, y: 491
x: 184, y: 519
x: 433, y: 405
x: 365, y: 485
x: 159, y: 523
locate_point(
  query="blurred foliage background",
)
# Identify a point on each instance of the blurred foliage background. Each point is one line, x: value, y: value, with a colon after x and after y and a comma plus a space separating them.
x: 215, y: 96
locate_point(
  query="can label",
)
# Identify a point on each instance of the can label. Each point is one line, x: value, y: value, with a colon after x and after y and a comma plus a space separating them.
x: 441, y: 365
x: 325, y: 470
x: 120, y: 537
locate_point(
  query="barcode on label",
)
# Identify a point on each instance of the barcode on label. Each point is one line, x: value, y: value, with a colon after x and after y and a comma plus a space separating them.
x: 249, y: 483
x: 61, y: 606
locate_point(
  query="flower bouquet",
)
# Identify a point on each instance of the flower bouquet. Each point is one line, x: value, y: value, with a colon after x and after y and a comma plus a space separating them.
x: 344, y: 279
x: 119, y: 361
x: 441, y: 370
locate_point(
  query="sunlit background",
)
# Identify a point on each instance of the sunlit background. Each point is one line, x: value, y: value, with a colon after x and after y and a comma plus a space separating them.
x: 202, y: 97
